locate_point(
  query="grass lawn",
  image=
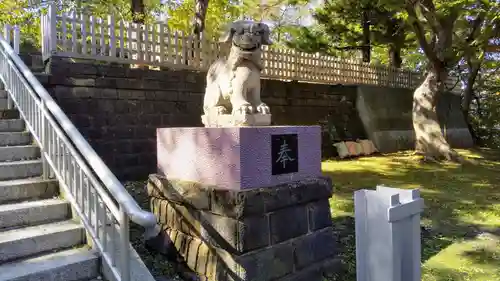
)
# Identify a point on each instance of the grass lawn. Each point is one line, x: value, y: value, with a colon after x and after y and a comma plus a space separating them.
x: 461, y: 223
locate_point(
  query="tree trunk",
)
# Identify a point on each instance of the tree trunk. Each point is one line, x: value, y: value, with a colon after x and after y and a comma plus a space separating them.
x: 429, y: 138
x: 138, y: 11
x: 199, y: 17
x: 479, y: 112
x: 467, y: 99
x: 395, y: 56
x: 366, y: 46
x: 469, y: 88
x: 397, y: 38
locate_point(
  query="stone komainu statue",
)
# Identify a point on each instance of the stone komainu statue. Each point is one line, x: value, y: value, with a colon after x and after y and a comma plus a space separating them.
x: 233, y: 83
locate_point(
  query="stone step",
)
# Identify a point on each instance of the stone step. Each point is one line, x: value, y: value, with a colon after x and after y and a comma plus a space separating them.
x: 27, y: 189
x: 68, y: 265
x: 20, y: 169
x: 9, y: 114
x: 33, y: 213
x: 15, y: 138
x: 43, y: 78
x: 17, y: 153
x: 28, y: 241
x: 3, y: 103
x: 37, y: 69
x: 11, y: 125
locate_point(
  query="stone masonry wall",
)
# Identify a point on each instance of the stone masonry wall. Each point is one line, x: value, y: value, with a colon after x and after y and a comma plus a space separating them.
x: 118, y: 108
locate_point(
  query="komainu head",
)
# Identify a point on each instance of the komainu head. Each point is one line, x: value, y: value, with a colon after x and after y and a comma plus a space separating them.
x: 247, y: 35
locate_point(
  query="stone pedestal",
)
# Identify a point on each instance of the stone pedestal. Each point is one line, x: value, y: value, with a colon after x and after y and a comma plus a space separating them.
x: 278, y: 233
x: 245, y: 203
x: 240, y: 157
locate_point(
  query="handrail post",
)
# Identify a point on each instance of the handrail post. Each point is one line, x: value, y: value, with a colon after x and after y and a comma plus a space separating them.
x: 12, y: 42
x: 124, y: 244
x: 44, y: 145
x: 15, y: 44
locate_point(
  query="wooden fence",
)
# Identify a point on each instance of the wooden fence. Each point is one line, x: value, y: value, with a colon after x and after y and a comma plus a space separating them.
x: 88, y: 37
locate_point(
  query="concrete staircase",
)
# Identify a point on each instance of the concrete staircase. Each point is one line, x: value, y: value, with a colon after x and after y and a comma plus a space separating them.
x: 39, y: 240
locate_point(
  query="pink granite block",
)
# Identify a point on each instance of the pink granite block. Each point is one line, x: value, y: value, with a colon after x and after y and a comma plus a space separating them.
x: 234, y: 157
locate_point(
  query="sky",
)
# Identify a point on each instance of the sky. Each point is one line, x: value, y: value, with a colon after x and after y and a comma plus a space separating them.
x: 308, y: 20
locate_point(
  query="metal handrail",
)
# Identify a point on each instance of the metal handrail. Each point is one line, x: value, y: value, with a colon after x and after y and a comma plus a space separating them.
x: 68, y: 157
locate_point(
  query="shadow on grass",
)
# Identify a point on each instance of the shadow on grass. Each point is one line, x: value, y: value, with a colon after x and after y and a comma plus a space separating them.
x: 447, y: 275
x: 461, y: 202
x: 483, y: 255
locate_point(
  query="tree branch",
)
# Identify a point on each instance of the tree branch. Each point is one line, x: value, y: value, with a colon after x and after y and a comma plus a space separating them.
x: 420, y: 33
x: 429, y: 12
x: 476, y: 25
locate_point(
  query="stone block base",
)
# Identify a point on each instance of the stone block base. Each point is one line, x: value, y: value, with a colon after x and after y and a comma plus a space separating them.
x: 279, y: 233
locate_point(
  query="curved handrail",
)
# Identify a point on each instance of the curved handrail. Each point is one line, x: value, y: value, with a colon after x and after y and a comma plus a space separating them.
x: 115, y: 188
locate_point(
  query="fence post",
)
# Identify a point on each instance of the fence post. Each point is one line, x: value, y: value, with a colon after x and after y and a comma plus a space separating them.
x: 387, y: 222
x: 111, y: 33
x: 17, y: 39
x: 6, y: 33
x: 49, y: 35
x: 296, y: 65
x: 12, y: 36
